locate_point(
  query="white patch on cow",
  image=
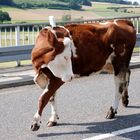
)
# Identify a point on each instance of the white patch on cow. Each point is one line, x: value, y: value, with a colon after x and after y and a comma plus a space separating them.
x: 110, y: 58
x: 61, y: 66
x: 37, y: 119
x: 54, y: 115
x: 37, y: 116
x: 73, y: 48
x: 117, y: 94
x: 47, y: 27
x: 115, y: 22
x: 127, y: 78
x: 124, y: 50
x: 104, y: 23
x: 108, y: 65
x: 41, y: 80
x: 67, y: 42
x: 44, y: 66
x: 45, y: 90
x: 112, y: 46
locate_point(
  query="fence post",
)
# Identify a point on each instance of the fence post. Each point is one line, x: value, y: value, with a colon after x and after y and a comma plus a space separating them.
x: 0, y: 38
x: 17, y: 41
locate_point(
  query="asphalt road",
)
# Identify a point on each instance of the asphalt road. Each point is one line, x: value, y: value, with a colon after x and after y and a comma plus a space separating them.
x: 82, y: 104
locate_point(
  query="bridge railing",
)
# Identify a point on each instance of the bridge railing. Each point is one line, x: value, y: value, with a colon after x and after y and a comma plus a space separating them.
x: 17, y: 40
x: 25, y: 34
x: 17, y: 53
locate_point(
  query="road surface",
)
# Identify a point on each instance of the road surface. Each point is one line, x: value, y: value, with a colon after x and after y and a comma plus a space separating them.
x: 82, y: 107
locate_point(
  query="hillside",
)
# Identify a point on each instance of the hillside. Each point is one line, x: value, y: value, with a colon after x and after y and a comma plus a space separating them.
x: 97, y: 10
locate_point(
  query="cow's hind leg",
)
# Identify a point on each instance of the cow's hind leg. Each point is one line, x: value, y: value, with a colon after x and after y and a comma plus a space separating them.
x: 121, y: 83
x: 125, y: 96
x: 54, y: 116
x: 54, y: 84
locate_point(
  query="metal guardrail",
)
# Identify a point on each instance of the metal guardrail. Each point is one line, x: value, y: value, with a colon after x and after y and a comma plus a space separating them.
x: 24, y: 52
x: 23, y: 33
x: 17, y: 54
x: 138, y: 41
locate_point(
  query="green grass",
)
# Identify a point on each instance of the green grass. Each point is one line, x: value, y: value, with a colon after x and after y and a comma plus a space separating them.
x: 105, y: 10
x: 13, y: 64
x: 136, y: 49
x: 26, y: 39
x: 8, y: 8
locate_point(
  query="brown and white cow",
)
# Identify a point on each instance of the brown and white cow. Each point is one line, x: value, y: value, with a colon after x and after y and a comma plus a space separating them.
x: 63, y: 53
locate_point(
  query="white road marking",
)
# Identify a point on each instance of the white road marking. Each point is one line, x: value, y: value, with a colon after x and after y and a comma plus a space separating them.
x: 114, y: 133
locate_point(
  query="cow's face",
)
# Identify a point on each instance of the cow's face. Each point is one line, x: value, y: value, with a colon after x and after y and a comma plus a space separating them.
x: 59, y: 61
x: 61, y: 65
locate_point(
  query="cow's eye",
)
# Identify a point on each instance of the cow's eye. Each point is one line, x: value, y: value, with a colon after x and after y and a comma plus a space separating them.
x: 66, y: 58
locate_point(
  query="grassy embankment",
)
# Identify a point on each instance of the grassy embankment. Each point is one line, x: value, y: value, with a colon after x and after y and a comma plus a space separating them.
x: 98, y: 10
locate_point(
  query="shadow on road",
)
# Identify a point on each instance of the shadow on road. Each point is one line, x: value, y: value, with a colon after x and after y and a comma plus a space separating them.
x: 120, y: 122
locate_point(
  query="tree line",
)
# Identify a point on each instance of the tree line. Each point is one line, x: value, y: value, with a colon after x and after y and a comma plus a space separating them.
x: 115, y: 1
x: 57, y: 4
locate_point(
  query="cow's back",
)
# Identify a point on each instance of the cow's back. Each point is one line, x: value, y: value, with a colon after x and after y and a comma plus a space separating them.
x: 95, y: 42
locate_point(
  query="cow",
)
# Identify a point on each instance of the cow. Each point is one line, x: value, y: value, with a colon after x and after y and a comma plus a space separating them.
x: 63, y: 53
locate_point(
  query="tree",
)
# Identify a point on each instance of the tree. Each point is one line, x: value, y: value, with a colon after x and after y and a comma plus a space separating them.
x: 135, y: 3
x: 4, y: 16
x: 86, y: 2
x: 75, y: 4
x: 6, y: 2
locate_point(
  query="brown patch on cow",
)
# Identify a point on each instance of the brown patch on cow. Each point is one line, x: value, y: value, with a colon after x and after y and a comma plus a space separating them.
x: 111, y: 113
x: 61, y: 32
x: 125, y: 100
x: 121, y: 87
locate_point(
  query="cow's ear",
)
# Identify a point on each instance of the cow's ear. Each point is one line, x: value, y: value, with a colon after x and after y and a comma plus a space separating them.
x: 43, y: 32
x: 52, y: 38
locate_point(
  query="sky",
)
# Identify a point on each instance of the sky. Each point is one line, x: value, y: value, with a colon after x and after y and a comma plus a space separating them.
x: 134, y: 0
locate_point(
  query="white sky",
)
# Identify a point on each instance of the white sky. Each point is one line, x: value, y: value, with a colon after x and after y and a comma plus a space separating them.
x: 134, y: 0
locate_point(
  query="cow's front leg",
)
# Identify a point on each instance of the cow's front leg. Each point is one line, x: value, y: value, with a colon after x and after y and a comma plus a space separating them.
x: 43, y: 99
x: 54, y: 116
x: 54, y: 84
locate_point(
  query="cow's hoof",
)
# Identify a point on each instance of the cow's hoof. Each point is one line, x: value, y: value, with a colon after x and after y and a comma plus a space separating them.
x: 50, y: 123
x: 35, y: 127
x: 125, y: 101
x: 111, y: 113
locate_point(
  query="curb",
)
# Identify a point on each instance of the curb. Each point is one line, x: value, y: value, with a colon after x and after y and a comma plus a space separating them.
x: 29, y: 80
x: 16, y: 83
x: 134, y: 66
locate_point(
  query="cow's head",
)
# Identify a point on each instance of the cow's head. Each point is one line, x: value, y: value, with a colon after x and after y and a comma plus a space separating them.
x: 58, y: 58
